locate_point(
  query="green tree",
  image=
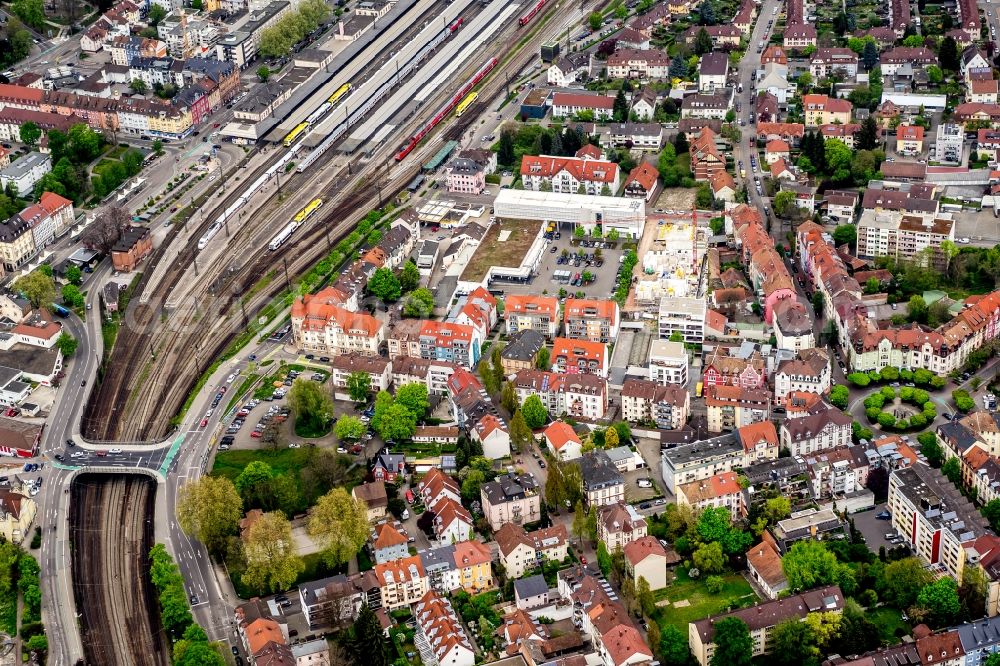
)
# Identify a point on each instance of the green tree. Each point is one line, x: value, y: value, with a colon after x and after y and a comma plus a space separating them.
x: 931, y: 449
x: 520, y: 433
x: 419, y: 303
x: 359, y: 386
x: 272, y: 564
x: 385, y: 285
x: 845, y: 234
x: 674, y: 650
x: 792, y: 643
x: 398, y: 424
x: 349, y: 428
x: 810, y: 564
x: 156, y: 14
x: 709, y: 558
x: 580, y: 521
x: 505, y: 148
x: 702, y: 42
x: 542, y: 361
x: 595, y: 20
x: 991, y: 510
x: 508, y: 397
x: 263, y: 73
x: 369, y: 645
x: 409, y: 277
x: 254, y: 483
x: 948, y: 54
x: 312, y: 406
x: 902, y: 580
x: 72, y: 296
x: 733, y: 644
x: 940, y: 600
x: 917, y: 309
x: 413, y: 396
x: 30, y: 133
x: 37, y: 287
x: 534, y: 412
x: 339, y: 523
x: 209, y: 509
x: 74, y: 274
x: 818, y: 301
x: 839, y: 396
x: 610, y: 438
x: 784, y: 204
x: 869, y: 54
x: 620, y: 109
x: 138, y: 86
x: 157, y: 147
x: 32, y: 12
x: 67, y: 344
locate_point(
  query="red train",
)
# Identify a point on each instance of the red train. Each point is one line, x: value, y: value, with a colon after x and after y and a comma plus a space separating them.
x: 446, y: 109
x: 523, y: 21
x: 456, y: 25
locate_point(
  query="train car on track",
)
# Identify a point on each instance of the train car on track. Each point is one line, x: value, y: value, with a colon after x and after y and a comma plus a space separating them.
x: 524, y: 20
x: 341, y: 91
x: 294, y: 134
x: 456, y: 25
x: 310, y: 208
x: 466, y: 103
x: 283, y: 235
x: 318, y: 113
x: 446, y: 109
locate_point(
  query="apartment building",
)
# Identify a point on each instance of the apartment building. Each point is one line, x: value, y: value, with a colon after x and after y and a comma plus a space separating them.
x: 580, y: 357
x: 640, y: 64
x: 378, y: 369
x: 684, y: 315
x: 618, y: 525
x: 17, y: 243
x: 706, y: 106
x: 644, y: 401
x: 569, y: 175
x: 905, y: 236
x: 824, y: 110
x: 810, y: 372
x: 838, y: 472
x: 826, y: 62
x: 824, y: 429
x: 713, y: 71
x: 522, y: 551
x: 321, y: 325
x: 538, y: 313
x: 909, y: 139
x: 591, y: 319
x: 726, y: 366
x: 668, y: 363
x: 935, y: 519
x: 566, y: 105
x: 720, y: 490
x: 762, y: 619
x: 401, y: 582
x: 440, y: 638
x: 698, y: 461
x: 760, y: 442
x: 732, y: 407
x: 603, y: 484
x: 511, y: 498
x: 576, y: 395
x: 793, y: 325
x: 448, y: 341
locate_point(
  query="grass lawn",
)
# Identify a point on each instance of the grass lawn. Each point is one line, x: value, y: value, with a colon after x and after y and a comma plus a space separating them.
x: 308, y: 431
x: 509, y: 253
x: 736, y: 593
x: 230, y: 463
x: 8, y: 613
x: 888, y: 620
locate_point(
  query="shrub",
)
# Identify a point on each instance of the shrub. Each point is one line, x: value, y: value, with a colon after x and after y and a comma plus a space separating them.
x: 920, y: 396
x: 872, y: 413
x: 714, y: 584
x: 889, y: 392
x: 963, y: 402
x: 859, y: 379
x: 875, y: 376
x: 886, y: 420
x: 889, y: 374
x: 906, y: 394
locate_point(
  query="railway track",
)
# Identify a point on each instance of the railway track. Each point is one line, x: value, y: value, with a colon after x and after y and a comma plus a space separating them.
x: 156, y: 362
x: 111, y: 535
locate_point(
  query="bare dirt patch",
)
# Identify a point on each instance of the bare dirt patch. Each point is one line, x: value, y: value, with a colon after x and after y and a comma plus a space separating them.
x: 676, y: 198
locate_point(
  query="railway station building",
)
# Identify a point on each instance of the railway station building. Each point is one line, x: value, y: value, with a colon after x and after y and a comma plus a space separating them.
x: 627, y: 216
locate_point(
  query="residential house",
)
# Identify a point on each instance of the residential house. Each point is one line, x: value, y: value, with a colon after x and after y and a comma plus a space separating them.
x: 825, y: 429
x: 641, y: 182
x: 823, y: 110
x: 388, y: 543
x: 603, y: 484
x: 493, y: 435
x: 723, y: 367
x: 826, y: 62
x: 440, y: 637
x: 522, y: 551
x: 809, y: 372
x: 17, y: 513
x: 521, y: 351
x: 579, y: 396
x: 762, y: 619
x: 579, y: 357
x: 563, y: 441
x: 793, y: 326
x: 540, y: 313
x: 707, y: 106
x: 799, y: 36
x: 510, y: 498
x: 646, y: 557
x: 909, y: 139
x: 568, y: 69
x: 732, y: 407
x: 764, y: 565
x: 645, y: 401
x: 626, y: 63
x: 618, y: 525
x: 375, y: 498
x: 759, y: 440
x: 706, y: 156
x: 723, y: 186
x: 721, y: 490
x: 531, y: 592
x: 569, y: 175
x: 713, y: 70
x: 776, y: 149
x: 388, y: 467
x: 567, y: 105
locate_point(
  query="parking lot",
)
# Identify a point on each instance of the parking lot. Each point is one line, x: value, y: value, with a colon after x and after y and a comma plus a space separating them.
x: 874, y: 529
x: 605, y: 276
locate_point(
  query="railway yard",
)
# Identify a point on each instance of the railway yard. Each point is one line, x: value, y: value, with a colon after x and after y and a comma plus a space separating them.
x: 206, y: 280
x: 119, y: 618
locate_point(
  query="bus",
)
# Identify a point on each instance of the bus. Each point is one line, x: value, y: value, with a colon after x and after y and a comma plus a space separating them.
x: 294, y: 134
x: 310, y: 208
x: 697, y: 390
x: 464, y: 105
x: 341, y: 91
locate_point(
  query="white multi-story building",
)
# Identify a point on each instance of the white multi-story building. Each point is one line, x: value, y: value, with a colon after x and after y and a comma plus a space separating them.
x: 576, y: 395
x: 569, y: 175
x: 824, y: 429
x: 949, y: 143
x: 321, y: 326
x: 809, y: 372
x: 684, y: 315
x: 668, y: 363
x: 883, y: 233
x: 666, y: 405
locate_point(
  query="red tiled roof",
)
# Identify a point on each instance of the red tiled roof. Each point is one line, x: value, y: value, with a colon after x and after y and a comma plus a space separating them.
x: 581, y: 169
